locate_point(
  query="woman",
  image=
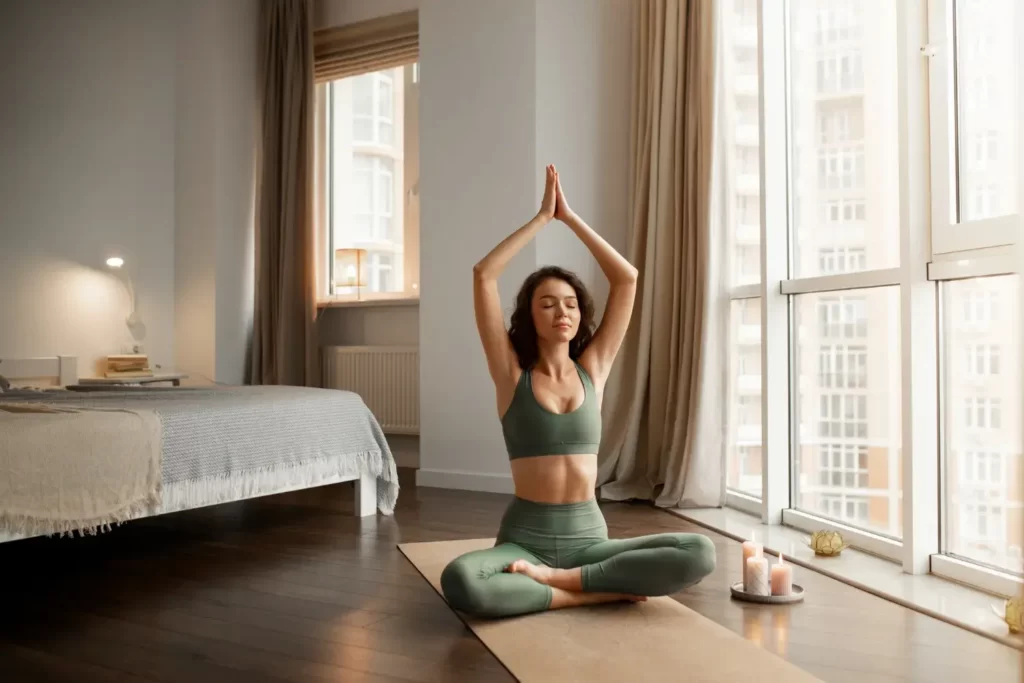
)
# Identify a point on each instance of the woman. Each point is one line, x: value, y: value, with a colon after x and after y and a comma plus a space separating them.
x: 549, y: 370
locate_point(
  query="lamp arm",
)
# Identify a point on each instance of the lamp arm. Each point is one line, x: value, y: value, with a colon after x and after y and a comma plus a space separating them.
x: 130, y: 289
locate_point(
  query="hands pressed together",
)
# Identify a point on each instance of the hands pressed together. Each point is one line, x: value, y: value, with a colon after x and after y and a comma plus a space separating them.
x: 553, y: 205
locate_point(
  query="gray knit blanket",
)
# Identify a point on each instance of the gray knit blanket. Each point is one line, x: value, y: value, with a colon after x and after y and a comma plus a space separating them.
x: 239, y: 441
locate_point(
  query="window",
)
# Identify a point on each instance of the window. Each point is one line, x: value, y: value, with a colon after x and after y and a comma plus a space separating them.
x: 843, y: 416
x: 987, y: 116
x: 843, y: 466
x: 744, y: 428
x: 837, y: 21
x: 983, y: 359
x: 985, y: 148
x: 747, y: 163
x: 983, y: 472
x: 834, y: 125
x: 748, y: 210
x: 741, y: 208
x: 843, y: 210
x: 981, y: 306
x: 749, y: 266
x: 983, y: 413
x: 832, y: 260
x: 843, y: 367
x: 841, y: 168
x: 973, y: 106
x: 981, y: 353
x: 840, y: 72
x: 848, y: 404
x: 842, y: 317
x: 850, y: 509
x: 838, y: 96
x: 366, y: 135
x: 373, y: 108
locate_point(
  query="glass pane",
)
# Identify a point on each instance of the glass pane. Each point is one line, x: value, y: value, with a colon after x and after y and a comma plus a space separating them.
x: 385, y: 100
x: 982, y: 443
x: 741, y: 161
x: 362, y: 129
x: 988, y: 120
x: 844, y: 118
x: 744, y: 445
x: 848, y: 407
x: 362, y: 95
x: 386, y: 185
x: 362, y: 184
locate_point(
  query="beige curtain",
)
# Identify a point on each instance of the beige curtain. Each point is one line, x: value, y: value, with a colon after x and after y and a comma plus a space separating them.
x: 284, y: 346
x: 664, y: 412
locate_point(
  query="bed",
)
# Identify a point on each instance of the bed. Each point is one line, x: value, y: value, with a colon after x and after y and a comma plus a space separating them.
x: 209, y: 444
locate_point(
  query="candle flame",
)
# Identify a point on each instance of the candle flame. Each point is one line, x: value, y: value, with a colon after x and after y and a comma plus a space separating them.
x: 780, y: 558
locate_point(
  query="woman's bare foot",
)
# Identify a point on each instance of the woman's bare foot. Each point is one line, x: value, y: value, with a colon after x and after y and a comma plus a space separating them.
x: 538, y: 572
x: 567, y: 585
x: 562, y: 598
x: 566, y: 579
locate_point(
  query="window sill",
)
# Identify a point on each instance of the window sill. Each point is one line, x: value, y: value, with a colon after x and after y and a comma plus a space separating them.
x: 364, y: 303
x: 937, y: 597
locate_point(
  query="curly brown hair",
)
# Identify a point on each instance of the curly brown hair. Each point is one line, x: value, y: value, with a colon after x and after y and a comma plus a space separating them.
x: 523, y: 333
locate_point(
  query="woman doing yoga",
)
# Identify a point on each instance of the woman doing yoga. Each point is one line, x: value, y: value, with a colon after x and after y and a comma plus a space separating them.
x: 549, y: 371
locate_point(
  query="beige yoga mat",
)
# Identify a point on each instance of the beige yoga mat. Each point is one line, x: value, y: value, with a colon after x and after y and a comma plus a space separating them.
x: 658, y: 640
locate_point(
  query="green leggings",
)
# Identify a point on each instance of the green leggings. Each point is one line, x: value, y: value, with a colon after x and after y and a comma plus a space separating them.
x: 567, y: 536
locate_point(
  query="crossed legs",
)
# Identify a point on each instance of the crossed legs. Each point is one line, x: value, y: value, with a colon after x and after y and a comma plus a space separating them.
x: 507, y: 579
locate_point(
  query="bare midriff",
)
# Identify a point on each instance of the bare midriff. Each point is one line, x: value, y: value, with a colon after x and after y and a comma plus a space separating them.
x: 555, y: 478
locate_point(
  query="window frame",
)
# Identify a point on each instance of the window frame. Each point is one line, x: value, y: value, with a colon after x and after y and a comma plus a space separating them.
x: 388, y: 230
x: 949, y: 234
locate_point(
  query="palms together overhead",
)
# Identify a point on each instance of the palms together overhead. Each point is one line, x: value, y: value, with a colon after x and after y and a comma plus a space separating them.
x: 554, y: 205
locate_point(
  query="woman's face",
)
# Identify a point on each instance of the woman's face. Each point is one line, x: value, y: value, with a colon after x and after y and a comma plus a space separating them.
x: 556, y: 313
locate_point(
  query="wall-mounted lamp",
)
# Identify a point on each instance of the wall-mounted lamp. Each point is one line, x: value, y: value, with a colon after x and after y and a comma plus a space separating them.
x: 115, y: 263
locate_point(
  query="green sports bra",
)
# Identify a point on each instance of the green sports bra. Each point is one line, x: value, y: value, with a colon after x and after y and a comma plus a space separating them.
x: 530, y: 429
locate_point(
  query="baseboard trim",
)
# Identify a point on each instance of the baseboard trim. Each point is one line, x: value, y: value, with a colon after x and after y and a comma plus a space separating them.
x: 465, y: 481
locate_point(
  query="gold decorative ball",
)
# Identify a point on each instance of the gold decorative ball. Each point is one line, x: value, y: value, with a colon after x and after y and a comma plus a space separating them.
x: 827, y: 543
x: 1013, y: 614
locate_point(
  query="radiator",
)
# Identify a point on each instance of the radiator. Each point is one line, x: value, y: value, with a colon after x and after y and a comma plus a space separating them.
x: 386, y: 377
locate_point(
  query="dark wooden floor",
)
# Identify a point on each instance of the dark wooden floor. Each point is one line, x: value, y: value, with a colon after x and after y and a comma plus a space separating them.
x: 295, y: 588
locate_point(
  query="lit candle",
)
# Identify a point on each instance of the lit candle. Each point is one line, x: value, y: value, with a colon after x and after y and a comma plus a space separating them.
x: 751, y: 549
x: 782, y: 578
x: 755, y: 579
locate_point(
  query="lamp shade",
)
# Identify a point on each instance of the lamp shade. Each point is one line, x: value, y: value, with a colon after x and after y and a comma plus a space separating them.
x: 350, y: 267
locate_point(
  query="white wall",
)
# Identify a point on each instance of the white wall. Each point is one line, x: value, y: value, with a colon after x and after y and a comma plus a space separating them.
x: 582, y: 114
x: 86, y: 169
x: 127, y: 127
x: 479, y: 181
x: 506, y: 88
x: 216, y: 127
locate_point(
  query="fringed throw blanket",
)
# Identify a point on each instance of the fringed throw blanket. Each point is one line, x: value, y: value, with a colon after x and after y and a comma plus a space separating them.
x: 66, y: 469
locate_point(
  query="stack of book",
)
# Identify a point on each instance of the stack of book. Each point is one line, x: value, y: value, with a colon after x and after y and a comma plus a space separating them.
x: 128, y: 365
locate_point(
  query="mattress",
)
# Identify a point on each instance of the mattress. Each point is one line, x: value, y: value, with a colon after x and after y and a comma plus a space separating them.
x: 294, y: 435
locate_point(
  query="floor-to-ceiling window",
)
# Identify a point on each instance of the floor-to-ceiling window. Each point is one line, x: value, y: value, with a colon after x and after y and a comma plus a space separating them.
x: 891, y: 130
x: 845, y: 234
x: 740, y: 191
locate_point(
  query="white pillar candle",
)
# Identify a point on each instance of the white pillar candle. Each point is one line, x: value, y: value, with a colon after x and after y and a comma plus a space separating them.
x: 756, y: 577
x: 750, y: 549
x: 782, y: 578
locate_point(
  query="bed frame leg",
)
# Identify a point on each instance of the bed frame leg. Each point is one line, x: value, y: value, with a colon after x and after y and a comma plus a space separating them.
x: 366, y: 495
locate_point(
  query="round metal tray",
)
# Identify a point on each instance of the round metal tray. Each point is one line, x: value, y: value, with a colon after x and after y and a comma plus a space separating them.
x: 796, y: 596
